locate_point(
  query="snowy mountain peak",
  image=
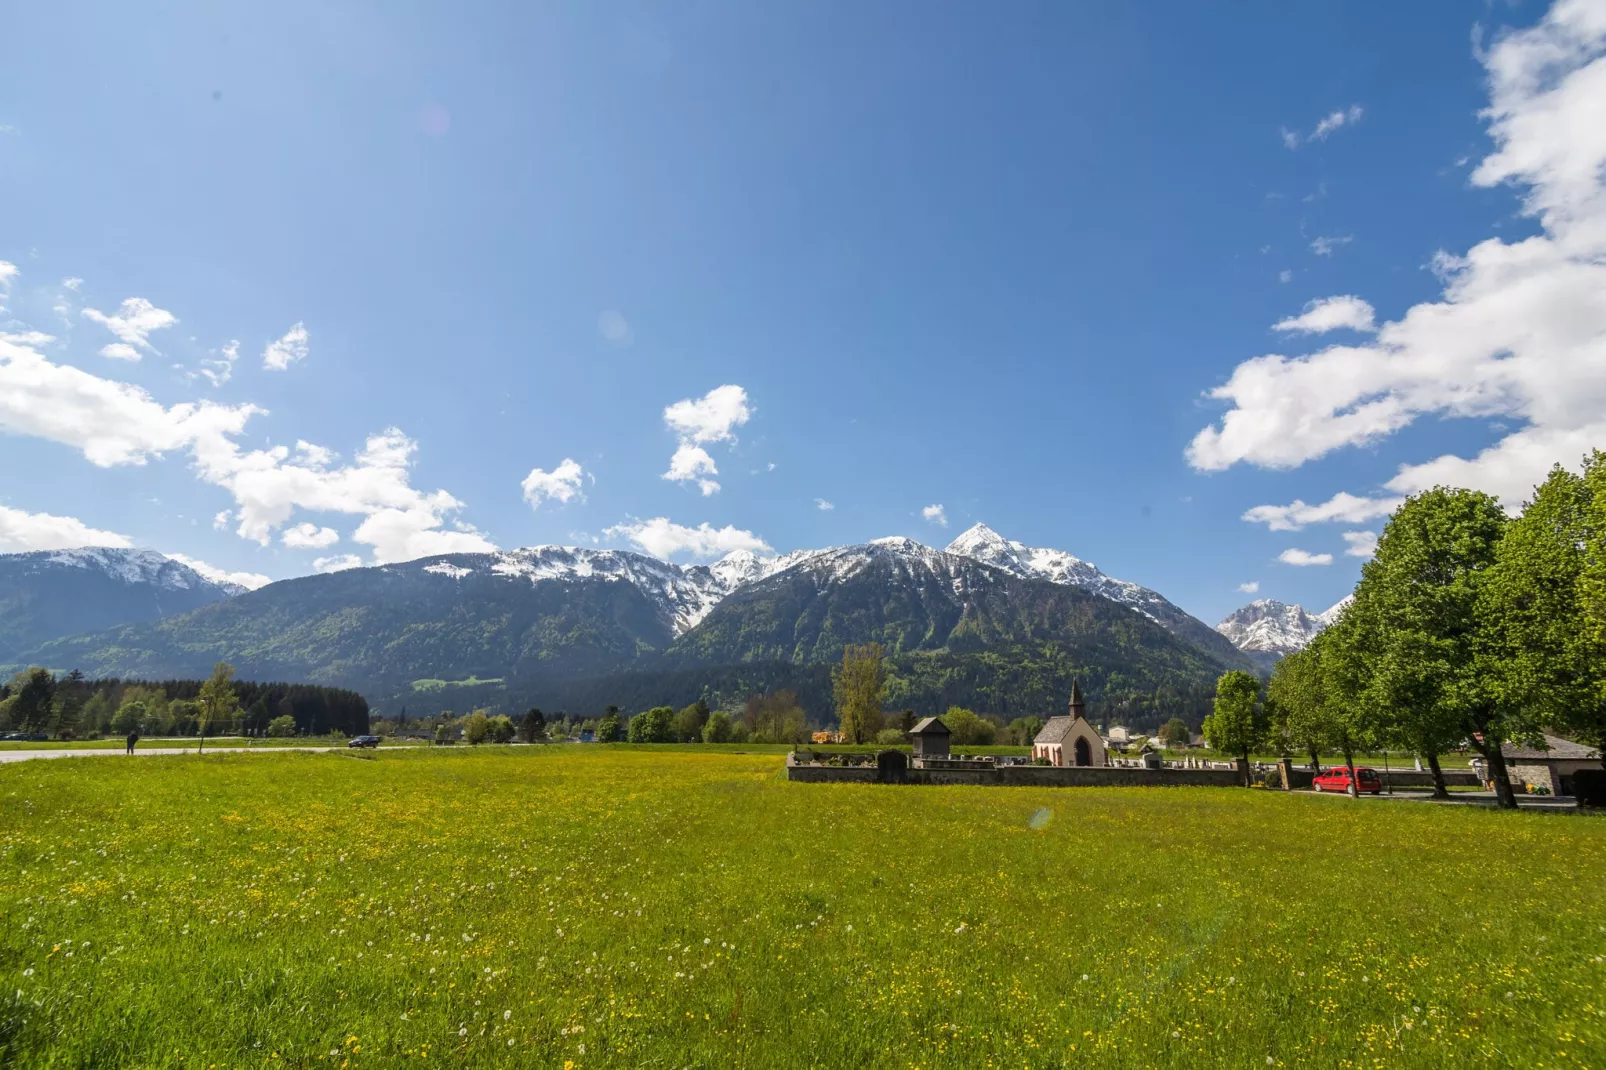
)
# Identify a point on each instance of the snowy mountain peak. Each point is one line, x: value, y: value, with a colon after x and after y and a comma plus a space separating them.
x: 131, y: 565
x: 1267, y: 626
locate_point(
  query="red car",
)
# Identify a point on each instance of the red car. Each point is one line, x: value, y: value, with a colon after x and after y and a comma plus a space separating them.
x: 1337, y: 779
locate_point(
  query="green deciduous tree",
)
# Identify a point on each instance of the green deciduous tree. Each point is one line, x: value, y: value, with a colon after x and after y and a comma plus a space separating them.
x: 1425, y: 637
x: 282, y: 727
x: 1237, y: 725
x: 1296, y: 705
x: 501, y: 729
x: 130, y: 717
x: 968, y: 729
x: 218, y: 703
x: 532, y: 729
x: 609, y: 730
x: 1549, y: 590
x: 1174, y: 733
x: 1023, y: 730
x: 656, y: 725
x: 476, y: 727
x: 689, y: 721
x: 859, y: 687
x: 718, y: 728
x: 33, y: 699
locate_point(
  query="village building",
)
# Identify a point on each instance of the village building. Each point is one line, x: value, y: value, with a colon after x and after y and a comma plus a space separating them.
x: 1070, y: 740
x: 930, y: 738
x: 1551, y: 768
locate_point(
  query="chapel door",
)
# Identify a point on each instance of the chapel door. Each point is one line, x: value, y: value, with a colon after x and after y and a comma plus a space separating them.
x: 1084, y: 753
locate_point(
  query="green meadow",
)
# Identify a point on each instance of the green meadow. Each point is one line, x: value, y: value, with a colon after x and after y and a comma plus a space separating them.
x: 672, y: 907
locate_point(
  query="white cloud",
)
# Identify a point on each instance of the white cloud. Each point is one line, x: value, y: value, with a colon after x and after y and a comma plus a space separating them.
x: 1360, y: 543
x: 1249, y: 588
x: 115, y: 423
x: 337, y: 563
x: 1519, y: 331
x: 72, y: 282
x: 220, y: 522
x: 220, y: 369
x: 8, y: 271
x: 1336, y: 120
x: 710, y: 418
x: 1285, y: 275
x: 249, y: 580
x: 613, y: 327
x: 307, y: 536
x: 1293, y: 556
x: 1329, y: 123
x: 1324, y: 246
x: 285, y: 351
x: 935, y: 514
x: 1331, y: 314
x: 112, y: 423
x: 824, y: 506
x: 562, y: 484
x: 1343, y: 506
x: 691, y: 462
x: 662, y: 537
x: 21, y: 531
x: 132, y: 323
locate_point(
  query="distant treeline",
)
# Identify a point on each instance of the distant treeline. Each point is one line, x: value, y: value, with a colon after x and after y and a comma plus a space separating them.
x: 72, y: 706
x: 926, y: 684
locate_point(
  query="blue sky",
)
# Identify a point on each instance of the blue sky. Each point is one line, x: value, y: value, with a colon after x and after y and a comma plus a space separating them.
x: 997, y: 264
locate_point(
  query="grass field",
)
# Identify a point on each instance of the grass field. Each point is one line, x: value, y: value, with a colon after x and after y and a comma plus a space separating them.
x: 614, y: 906
x: 167, y: 742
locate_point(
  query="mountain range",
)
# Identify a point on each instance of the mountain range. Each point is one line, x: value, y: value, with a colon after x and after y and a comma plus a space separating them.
x: 52, y: 593
x: 987, y: 620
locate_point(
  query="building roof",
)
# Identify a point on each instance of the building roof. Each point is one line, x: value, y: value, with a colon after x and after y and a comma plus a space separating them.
x: 1055, y: 730
x: 1557, y: 748
x: 929, y: 726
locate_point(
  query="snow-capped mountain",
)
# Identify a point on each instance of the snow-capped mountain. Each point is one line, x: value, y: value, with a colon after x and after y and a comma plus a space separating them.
x: 984, y: 544
x: 685, y: 594
x: 131, y: 566
x: 1057, y: 566
x: 682, y: 593
x: 46, y: 594
x: 1270, y: 629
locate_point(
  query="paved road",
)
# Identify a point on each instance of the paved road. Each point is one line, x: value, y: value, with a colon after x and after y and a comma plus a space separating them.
x: 139, y: 752
x: 1461, y: 798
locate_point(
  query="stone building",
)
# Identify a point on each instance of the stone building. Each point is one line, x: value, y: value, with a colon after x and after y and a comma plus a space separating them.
x: 1070, y: 740
x: 1551, y: 768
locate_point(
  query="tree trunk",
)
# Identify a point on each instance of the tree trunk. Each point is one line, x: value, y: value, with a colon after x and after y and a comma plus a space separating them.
x: 1354, y: 786
x: 1439, y: 790
x: 200, y: 743
x: 1315, y: 761
x: 1249, y: 779
x: 1505, y: 797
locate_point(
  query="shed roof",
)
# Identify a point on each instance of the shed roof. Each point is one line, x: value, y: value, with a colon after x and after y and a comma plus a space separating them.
x: 1557, y: 748
x: 929, y: 726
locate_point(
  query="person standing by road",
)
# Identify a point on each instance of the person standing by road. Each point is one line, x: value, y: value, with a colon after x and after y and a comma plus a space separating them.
x: 133, y: 738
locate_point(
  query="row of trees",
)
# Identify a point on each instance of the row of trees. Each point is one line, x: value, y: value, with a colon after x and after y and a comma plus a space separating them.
x: 72, y: 706
x: 1468, y: 628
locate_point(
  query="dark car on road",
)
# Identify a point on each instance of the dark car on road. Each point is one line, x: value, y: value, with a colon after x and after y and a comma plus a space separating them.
x: 363, y: 741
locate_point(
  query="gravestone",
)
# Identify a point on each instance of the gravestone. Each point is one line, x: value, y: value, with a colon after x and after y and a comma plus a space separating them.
x: 891, y: 767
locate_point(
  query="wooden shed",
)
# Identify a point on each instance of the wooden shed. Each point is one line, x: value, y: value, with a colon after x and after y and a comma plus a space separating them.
x: 930, y: 738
